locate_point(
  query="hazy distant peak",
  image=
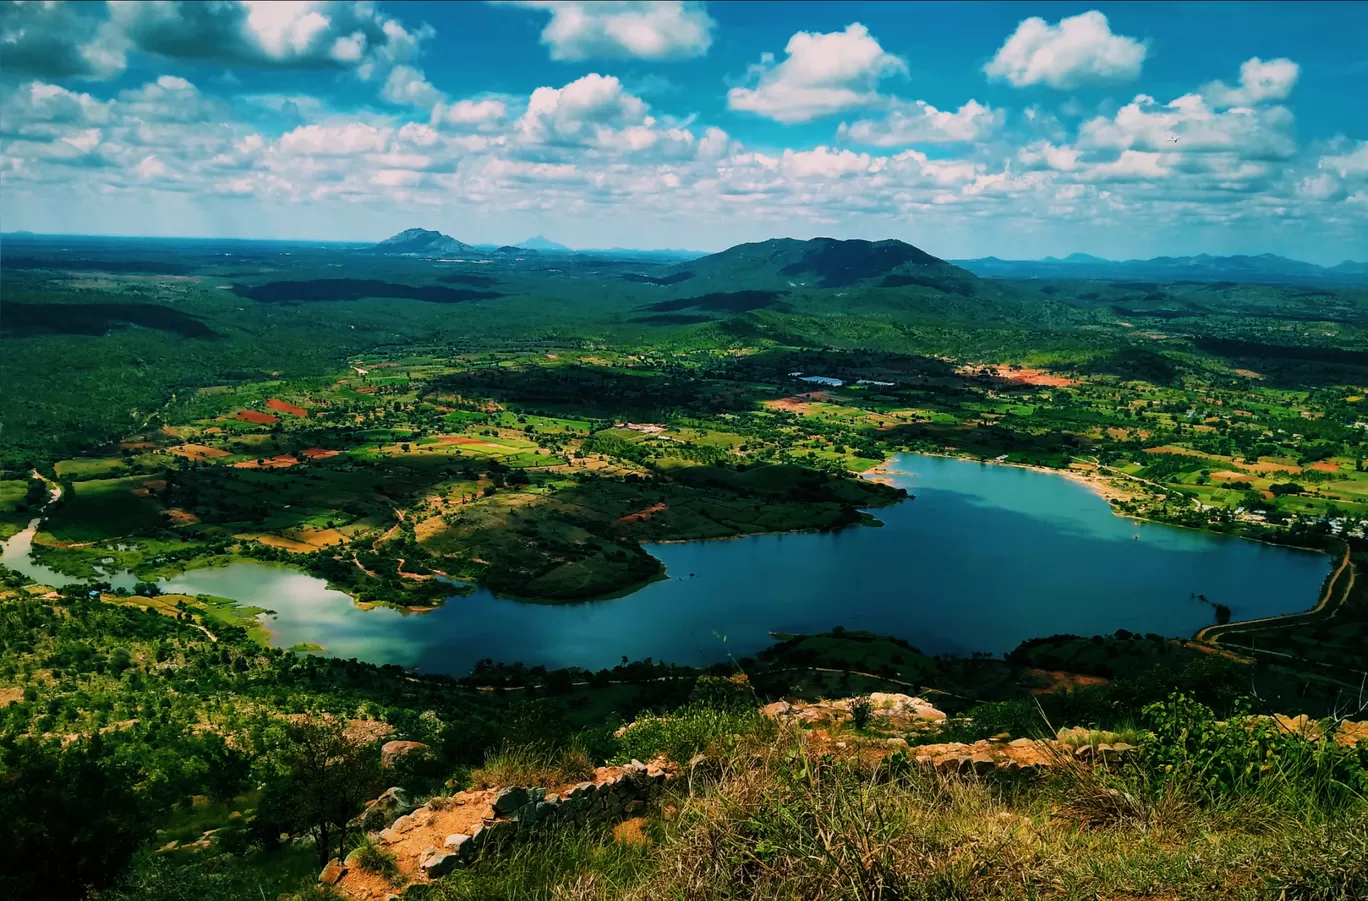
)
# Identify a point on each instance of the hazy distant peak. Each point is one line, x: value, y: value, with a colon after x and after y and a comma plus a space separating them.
x: 421, y: 242
x: 541, y: 242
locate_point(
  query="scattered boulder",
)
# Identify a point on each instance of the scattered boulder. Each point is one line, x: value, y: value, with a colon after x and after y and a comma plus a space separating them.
x: 392, y: 751
x: 511, y: 799
x: 436, y: 862
x: 332, y: 872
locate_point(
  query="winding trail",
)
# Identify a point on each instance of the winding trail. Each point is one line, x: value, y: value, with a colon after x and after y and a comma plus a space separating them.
x: 1214, y: 634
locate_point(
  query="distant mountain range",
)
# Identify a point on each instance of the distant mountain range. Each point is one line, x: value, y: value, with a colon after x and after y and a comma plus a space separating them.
x: 422, y: 242
x: 1204, y: 267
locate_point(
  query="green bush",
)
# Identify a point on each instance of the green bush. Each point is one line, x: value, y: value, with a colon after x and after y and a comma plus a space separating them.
x: 1214, y: 760
x: 684, y: 733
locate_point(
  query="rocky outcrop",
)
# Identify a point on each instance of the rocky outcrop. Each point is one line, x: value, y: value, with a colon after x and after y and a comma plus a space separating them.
x: 433, y: 840
x: 895, y: 711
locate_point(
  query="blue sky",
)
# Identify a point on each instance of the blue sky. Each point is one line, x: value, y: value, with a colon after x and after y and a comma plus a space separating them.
x: 1008, y: 129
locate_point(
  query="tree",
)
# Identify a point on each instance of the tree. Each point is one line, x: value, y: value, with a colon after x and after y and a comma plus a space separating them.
x: 324, y: 779
x: 70, y: 819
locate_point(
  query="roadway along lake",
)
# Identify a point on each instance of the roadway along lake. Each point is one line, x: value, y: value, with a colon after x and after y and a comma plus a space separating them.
x: 983, y: 558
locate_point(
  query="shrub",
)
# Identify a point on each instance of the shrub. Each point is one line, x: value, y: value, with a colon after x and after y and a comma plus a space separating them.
x: 373, y: 859
x: 684, y: 733
x: 1246, y: 756
x: 861, y: 709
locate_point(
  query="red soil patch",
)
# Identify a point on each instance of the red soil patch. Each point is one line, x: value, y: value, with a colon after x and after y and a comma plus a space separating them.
x: 798, y: 403
x: 155, y: 484
x: 1229, y: 476
x: 460, y: 439
x: 198, y: 451
x: 256, y: 417
x: 643, y: 514
x: 318, y: 453
x: 1037, y: 377
x: 282, y: 461
x: 182, y: 517
x: 281, y: 406
x: 1325, y: 466
x: 137, y: 445
x: 141, y: 492
x: 368, y: 390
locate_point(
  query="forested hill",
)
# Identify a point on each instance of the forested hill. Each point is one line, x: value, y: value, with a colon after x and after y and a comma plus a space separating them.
x: 786, y: 263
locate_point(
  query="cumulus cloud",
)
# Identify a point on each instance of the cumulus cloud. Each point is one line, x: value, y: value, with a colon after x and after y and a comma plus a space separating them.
x: 921, y: 123
x: 1259, y: 81
x: 666, y: 30
x: 1351, y: 164
x: 1188, y: 125
x: 1044, y: 155
x: 55, y: 40
x: 469, y: 114
x: 1079, y: 50
x: 407, y: 86
x: 335, y: 140
x: 821, y: 74
x: 575, y: 113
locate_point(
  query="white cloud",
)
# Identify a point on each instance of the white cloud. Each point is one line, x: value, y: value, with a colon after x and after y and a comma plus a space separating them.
x: 336, y: 140
x: 1131, y: 165
x: 1321, y: 187
x: 168, y: 99
x: 821, y: 74
x: 920, y: 122
x: 311, y: 33
x: 664, y: 30
x: 151, y: 168
x: 822, y: 162
x: 1259, y: 81
x: 1080, y: 49
x: 1352, y: 164
x: 407, y: 86
x: 469, y: 114
x: 55, y: 40
x: 1044, y: 155
x: 1188, y: 125
x: 575, y: 113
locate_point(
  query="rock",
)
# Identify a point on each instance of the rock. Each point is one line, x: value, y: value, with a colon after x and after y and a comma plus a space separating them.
x: 511, y: 799
x: 332, y: 873
x: 420, y: 817
x: 392, y: 751
x: 634, y: 807
x: 390, y: 836
x: 436, y: 863
x: 403, y: 824
x: 457, y: 842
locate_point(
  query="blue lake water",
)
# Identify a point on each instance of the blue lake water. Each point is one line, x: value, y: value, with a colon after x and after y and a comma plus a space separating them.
x: 983, y: 558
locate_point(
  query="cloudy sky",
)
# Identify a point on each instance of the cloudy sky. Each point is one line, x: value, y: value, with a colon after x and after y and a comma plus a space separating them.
x: 1017, y: 129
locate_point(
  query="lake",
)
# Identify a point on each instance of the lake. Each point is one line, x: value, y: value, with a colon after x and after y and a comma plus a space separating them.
x: 983, y: 558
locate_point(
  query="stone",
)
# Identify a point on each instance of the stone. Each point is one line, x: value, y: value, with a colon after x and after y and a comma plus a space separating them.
x: 510, y: 799
x: 634, y: 807
x: 391, y: 752
x: 436, y: 862
x: 332, y: 873
x: 458, y: 841
x: 403, y: 824
x: 390, y: 836
x: 395, y: 799
x: 584, y: 788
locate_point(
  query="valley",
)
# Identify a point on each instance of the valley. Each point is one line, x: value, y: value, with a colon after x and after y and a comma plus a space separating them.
x: 483, y: 498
